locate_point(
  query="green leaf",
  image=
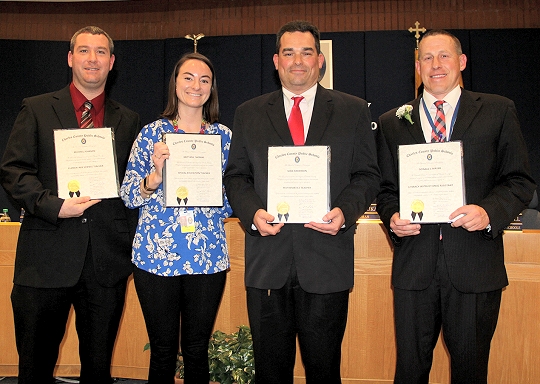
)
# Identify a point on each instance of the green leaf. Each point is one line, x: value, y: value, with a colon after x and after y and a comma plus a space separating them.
x: 230, y: 357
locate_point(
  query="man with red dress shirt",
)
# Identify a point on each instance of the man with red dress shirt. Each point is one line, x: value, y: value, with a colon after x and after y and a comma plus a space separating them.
x: 71, y: 252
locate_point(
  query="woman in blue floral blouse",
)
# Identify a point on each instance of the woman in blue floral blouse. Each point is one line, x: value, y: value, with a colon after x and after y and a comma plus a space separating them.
x: 180, y: 268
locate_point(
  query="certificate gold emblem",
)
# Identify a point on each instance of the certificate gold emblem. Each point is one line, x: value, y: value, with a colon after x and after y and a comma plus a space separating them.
x: 283, y: 210
x: 182, y: 195
x: 417, y: 208
x: 74, y: 188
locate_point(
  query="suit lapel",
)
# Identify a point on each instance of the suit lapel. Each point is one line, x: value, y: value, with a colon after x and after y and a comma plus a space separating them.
x: 416, y: 129
x: 322, y: 110
x: 468, y: 108
x: 276, y: 114
x: 63, y: 107
x: 112, y: 115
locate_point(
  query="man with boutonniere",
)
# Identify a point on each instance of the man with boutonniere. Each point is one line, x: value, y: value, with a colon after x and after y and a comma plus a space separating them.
x: 449, y: 275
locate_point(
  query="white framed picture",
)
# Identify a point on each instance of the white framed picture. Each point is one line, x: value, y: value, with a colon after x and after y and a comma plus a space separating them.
x: 326, y: 78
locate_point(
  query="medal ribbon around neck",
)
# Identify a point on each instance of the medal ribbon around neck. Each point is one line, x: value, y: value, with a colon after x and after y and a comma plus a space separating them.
x: 448, y: 129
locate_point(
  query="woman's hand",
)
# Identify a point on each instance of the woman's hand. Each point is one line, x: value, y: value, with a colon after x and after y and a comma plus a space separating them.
x: 151, y: 182
x: 161, y: 153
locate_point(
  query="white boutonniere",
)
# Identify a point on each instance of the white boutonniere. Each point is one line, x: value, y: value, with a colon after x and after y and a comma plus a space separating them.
x: 404, y: 112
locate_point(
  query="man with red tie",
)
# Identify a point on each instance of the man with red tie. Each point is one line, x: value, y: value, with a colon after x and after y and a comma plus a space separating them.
x: 298, y: 276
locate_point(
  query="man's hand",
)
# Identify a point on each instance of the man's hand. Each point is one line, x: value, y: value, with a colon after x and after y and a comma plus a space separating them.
x: 403, y: 228
x: 473, y: 218
x: 75, y: 206
x: 261, y: 219
x: 333, y: 221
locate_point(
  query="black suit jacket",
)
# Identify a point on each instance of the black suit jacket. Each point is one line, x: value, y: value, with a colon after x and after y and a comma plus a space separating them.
x: 497, y: 178
x: 324, y: 263
x: 51, y: 251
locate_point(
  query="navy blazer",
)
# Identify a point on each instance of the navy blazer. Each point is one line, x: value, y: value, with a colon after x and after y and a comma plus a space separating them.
x: 51, y: 251
x: 324, y: 263
x: 497, y: 178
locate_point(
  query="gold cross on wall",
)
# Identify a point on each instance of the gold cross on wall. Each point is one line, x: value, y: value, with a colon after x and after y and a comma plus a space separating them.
x: 417, y: 31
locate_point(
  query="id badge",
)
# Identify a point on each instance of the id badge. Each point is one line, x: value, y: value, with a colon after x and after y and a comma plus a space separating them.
x: 187, y: 221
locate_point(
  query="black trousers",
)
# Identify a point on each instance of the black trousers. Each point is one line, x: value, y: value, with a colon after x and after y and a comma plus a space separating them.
x: 276, y: 317
x: 41, y: 314
x: 179, y: 307
x: 467, y: 320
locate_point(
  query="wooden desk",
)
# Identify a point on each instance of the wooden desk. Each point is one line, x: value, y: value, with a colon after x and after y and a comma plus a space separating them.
x: 368, y: 346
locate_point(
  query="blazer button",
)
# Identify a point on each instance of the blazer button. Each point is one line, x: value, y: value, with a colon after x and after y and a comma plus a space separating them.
x: 84, y: 220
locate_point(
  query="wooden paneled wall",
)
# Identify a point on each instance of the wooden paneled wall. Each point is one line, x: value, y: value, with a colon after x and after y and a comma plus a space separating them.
x: 158, y: 19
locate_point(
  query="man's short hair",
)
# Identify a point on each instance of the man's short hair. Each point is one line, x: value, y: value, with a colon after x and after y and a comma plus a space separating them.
x: 435, y: 32
x: 299, y: 26
x: 93, y: 30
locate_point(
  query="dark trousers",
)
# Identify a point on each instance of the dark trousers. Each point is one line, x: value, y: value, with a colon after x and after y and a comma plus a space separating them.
x: 41, y: 314
x: 179, y: 307
x: 276, y: 317
x: 468, y: 322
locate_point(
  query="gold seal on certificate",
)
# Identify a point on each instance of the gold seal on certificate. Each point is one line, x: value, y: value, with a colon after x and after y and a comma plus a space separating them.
x: 417, y: 208
x: 194, y: 166
x: 298, y: 183
x: 74, y: 188
x: 86, y: 163
x: 431, y: 182
x: 182, y: 195
x: 283, y: 211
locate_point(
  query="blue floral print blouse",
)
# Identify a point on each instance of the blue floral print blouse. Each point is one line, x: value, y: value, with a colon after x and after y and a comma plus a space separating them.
x: 159, y: 246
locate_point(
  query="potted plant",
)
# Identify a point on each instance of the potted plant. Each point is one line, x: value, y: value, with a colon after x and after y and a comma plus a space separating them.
x: 230, y: 357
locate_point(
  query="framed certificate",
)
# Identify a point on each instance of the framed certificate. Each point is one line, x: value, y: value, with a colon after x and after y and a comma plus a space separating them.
x: 86, y: 163
x: 298, y: 183
x: 431, y: 181
x: 192, y: 173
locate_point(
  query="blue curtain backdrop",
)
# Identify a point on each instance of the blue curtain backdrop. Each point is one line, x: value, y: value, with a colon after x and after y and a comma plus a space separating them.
x: 376, y: 66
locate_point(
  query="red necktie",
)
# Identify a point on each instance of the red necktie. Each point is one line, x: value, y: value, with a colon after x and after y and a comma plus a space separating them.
x: 86, y: 118
x: 296, y: 124
x: 439, y: 133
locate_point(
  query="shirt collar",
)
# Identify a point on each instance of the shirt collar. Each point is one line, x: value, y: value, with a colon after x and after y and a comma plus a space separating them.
x: 309, y: 95
x: 79, y: 99
x: 451, y: 98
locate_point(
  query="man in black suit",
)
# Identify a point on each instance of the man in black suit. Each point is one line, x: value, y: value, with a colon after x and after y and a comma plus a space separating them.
x: 451, y: 275
x: 75, y: 251
x: 298, y: 276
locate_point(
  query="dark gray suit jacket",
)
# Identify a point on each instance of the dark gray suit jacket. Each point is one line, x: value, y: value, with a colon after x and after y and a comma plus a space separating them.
x: 324, y: 263
x: 497, y: 178
x: 51, y: 251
